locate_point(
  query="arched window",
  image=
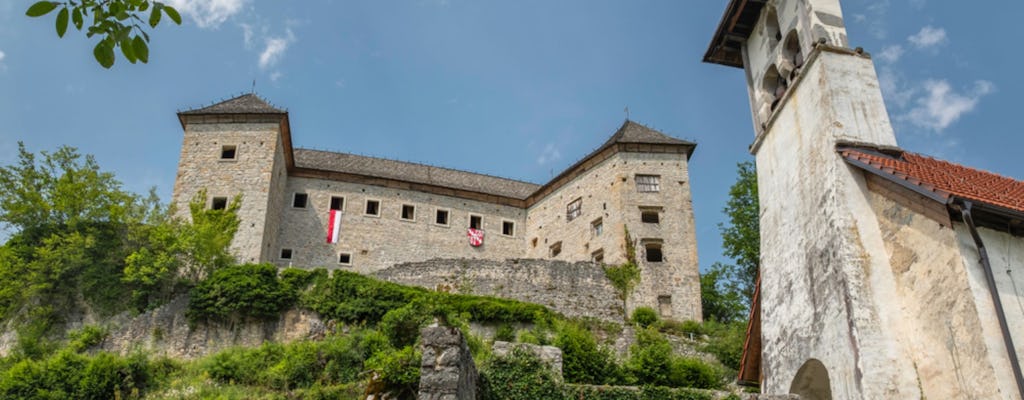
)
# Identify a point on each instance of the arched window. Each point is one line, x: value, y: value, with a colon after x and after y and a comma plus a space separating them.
x: 773, y: 85
x: 791, y: 50
x: 771, y: 28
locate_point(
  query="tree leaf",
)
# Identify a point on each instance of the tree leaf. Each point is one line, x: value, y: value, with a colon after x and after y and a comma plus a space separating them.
x: 104, y: 53
x: 141, y: 49
x: 128, y: 49
x: 154, y: 17
x: 76, y: 17
x: 41, y: 8
x: 172, y: 14
x: 62, y: 22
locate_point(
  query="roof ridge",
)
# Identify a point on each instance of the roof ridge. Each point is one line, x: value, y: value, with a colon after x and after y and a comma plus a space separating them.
x: 244, y: 103
x: 420, y: 164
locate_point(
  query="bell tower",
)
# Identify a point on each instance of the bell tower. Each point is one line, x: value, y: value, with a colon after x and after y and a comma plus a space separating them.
x: 827, y: 326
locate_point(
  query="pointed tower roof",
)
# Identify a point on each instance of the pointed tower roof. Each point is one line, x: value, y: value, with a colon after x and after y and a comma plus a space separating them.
x: 248, y: 103
x: 632, y: 132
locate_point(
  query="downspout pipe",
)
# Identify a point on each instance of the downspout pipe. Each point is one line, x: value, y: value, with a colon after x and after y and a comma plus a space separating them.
x: 1011, y: 351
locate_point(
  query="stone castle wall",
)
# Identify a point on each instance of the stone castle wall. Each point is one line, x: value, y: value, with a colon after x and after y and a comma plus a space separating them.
x: 250, y: 174
x: 377, y: 242
x: 576, y: 289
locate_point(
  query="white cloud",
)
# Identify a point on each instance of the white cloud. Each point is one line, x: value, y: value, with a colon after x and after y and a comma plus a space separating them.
x: 891, y: 54
x: 275, y: 48
x: 274, y: 76
x: 208, y: 13
x: 550, y: 154
x: 941, y: 106
x: 246, y: 34
x: 2, y: 56
x: 928, y: 37
x: 894, y: 88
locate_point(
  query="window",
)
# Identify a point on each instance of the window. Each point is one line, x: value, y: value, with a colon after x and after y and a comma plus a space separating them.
x: 408, y: 212
x: 647, y: 183
x: 373, y: 207
x: 476, y: 221
x: 441, y: 218
x: 572, y: 210
x: 555, y: 249
x: 650, y: 216
x: 337, y: 203
x: 665, y: 306
x: 219, y: 203
x: 286, y: 254
x: 228, y: 152
x: 597, y: 227
x: 653, y: 252
x: 299, y: 200
x: 597, y: 256
x: 345, y: 258
x: 508, y: 228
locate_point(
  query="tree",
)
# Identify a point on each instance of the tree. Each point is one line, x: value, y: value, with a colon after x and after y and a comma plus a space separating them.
x: 719, y: 297
x: 741, y: 238
x: 120, y: 23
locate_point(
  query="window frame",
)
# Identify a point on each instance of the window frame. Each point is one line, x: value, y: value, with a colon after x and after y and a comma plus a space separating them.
x: 401, y: 213
x: 291, y: 254
x: 645, y: 186
x: 648, y: 245
x: 226, y: 147
x: 597, y: 253
x: 305, y: 201
x: 366, y: 208
x: 597, y: 227
x: 214, y: 200
x: 572, y: 212
x: 344, y: 253
x: 469, y: 221
x: 330, y: 205
x: 447, y: 217
x: 512, y: 224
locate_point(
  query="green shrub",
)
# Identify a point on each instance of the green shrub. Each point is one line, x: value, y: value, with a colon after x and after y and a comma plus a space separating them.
x: 692, y: 372
x: 505, y: 333
x: 402, y: 325
x: 582, y: 360
x: 398, y: 369
x: 239, y: 291
x: 520, y: 376
x: 726, y: 342
x: 644, y: 316
x: 650, y: 360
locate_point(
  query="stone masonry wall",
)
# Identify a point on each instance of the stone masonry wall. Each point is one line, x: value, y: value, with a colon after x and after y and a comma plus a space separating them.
x: 376, y: 242
x: 447, y: 371
x: 249, y: 174
x: 608, y: 194
x: 574, y: 289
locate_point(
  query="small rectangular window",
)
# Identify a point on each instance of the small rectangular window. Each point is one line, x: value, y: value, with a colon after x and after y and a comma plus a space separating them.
x: 476, y: 221
x: 337, y: 203
x: 573, y: 209
x: 299, y: 200
x: 373, y: 207
x: 345, y: 258
x: 228, y: 152
x: 441, y: 218
x: 597, y: 256
x: 219, y: 203
x: 597, y: 227
x: 508, y: 228
x: 555, y: 249
x: 648, y: 183
x: 649, y: 216
x: 408, y: 212
x: 665, y: 306
x: 286, y: 254
x: 653, y: 252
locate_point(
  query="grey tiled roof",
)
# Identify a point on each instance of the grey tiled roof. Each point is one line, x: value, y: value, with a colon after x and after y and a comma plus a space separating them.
x: 632, y: 132
x: 248, y: 103
x: 412, y: 172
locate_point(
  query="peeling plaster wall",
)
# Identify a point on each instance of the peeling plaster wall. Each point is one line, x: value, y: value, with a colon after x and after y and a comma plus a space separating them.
x: 817, y: 271
x: 1006, y: 255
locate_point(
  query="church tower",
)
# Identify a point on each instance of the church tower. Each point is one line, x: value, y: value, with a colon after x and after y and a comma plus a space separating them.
x: 870, y: 281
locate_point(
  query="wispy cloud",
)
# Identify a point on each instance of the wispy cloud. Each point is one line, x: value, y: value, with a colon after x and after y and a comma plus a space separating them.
x: 275, y: 49
x: 895, y: 89
x: 247, y: 34
x: 940, y: 105
x: 549, y: 154
x: 874, y: 18
x: 2, y: 56
x: 928, y: 37
x: 209, y: 13
x: 891, y: 54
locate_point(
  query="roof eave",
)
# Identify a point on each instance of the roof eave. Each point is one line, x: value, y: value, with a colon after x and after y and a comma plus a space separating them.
x: 724, y: 48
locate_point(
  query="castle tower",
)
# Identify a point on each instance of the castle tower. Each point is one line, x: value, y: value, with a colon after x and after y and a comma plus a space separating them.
x: 871, y: 286
x: 232, y: 148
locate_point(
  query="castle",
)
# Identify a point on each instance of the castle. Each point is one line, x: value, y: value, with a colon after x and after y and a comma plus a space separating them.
x: 310, y: 208
x: 884, y: 274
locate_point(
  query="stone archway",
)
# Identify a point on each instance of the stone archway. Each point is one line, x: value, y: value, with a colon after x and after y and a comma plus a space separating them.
x: 811, y: 381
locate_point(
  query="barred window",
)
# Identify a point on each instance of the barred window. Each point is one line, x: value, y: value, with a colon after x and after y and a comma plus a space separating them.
x: 573, y: 209
x: 647, y: 183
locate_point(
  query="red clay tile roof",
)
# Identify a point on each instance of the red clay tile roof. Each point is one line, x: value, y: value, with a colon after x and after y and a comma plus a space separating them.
x: 941, y: 179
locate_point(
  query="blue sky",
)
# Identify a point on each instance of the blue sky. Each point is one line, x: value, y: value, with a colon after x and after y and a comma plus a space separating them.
x: 520, y: 89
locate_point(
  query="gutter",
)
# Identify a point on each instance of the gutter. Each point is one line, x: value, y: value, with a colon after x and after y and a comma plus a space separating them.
x: 965, y: 212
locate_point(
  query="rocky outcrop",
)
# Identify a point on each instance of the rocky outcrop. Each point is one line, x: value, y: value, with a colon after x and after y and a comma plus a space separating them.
x: 447, y: 371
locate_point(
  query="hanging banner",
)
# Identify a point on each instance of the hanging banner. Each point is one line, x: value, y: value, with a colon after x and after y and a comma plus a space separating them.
x: 333, y: 226
x: 476, y: 237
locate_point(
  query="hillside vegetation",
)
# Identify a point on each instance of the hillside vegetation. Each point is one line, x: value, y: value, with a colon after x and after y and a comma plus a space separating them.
x: 80, y: 245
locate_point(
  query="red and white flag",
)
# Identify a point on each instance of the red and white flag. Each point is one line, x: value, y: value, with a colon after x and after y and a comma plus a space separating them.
x: 476, y: 237
x: 333, y: 226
